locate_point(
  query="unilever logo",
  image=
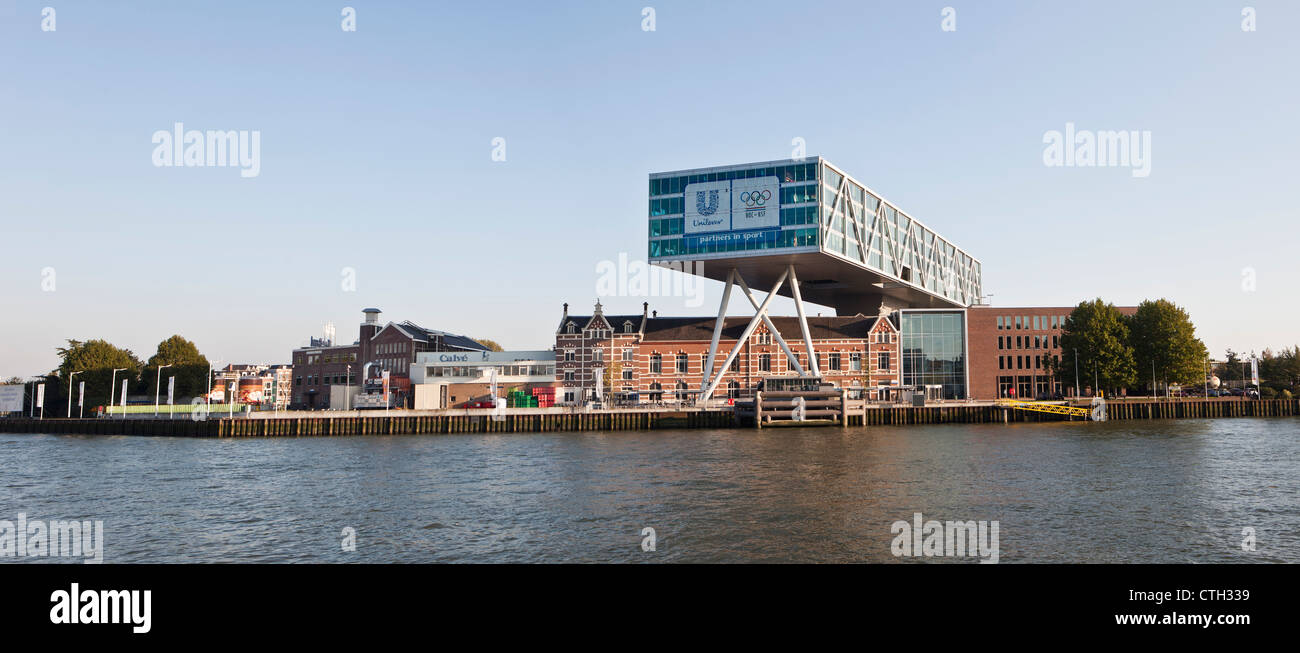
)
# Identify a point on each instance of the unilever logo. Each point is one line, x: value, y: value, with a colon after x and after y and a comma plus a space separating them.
x: 755, y: 198
x: 706, y: 209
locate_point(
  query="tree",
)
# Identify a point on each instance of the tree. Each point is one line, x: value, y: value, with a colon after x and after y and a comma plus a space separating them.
x: 95, y: 361
x: 1163, y: 338
x: 1097, y: 330
x: 490, y: 344
x: 188, y: 366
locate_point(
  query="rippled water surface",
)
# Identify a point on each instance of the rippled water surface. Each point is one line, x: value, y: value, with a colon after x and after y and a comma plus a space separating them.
x: 1162, y: 491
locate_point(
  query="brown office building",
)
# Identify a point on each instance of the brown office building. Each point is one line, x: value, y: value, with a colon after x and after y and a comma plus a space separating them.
x: 1008, y: 349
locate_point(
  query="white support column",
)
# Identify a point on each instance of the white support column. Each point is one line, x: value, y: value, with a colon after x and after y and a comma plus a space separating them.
x: 740, y: 342
x: 803, y: 321
x: 717, y: 328
x: 794, y: 360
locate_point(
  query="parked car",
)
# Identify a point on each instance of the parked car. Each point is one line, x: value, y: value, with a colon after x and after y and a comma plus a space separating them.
x: 1236, y: 392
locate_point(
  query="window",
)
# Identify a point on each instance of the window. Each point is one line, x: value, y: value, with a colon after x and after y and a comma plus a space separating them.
x: 1001, y: 363
x: 999, y: 323
x: 681, y: 391
x: 882, y: 361
x: 571, y: 328
x: 1056, y: 342
x: 627, y: 327
x: 598, y: 354
x: 627, y: 374
x: 627, y: 355
x: 764, y: 338
x: 1017, y: 322
x: 855, y: 362
x: 683, y: 363
x: 568, y: 376
x: 835, y: 361
x: 656, y: 364
x: 735, y: 363
x: 568, y: 355
x: 765, y: 363
x: 999, y: 342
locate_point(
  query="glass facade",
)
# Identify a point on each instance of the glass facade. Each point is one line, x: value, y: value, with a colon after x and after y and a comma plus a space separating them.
x: 934, y: 350
x: 798, y: 212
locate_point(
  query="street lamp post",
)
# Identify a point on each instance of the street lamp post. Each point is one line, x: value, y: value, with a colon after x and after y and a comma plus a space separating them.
x: 70, y: 391
x: 1076, y: 372
x: 157, y: 386
x: 112, y: 387
x: 347, y: 390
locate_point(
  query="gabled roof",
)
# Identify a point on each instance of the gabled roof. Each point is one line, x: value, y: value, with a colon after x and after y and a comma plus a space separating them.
x: 421, y: 334
x: 891, y: 320
x: 616, y: 322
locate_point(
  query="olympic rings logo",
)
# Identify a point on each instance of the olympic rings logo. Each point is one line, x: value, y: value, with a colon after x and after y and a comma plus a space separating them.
x: 755, y: 197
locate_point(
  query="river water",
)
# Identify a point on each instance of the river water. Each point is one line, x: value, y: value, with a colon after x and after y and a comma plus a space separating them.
x: 1136, y: 491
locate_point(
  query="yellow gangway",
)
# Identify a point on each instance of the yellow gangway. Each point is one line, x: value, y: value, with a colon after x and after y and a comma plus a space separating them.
x: 1096, y: 413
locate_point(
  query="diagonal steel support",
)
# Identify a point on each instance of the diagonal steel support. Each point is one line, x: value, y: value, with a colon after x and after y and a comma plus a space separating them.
x: 794, y: 360
x: 717, y: 328
x: 744, y: 336
x: 803, y: 319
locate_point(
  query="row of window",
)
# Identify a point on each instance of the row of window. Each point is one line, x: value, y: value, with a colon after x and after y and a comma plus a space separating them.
x: 1029, y: 342
x: 703, y: 244
x: 1024, y: 362
x: 787, y: 174
x: 392, y: 348
x: 313, y: 359
x: 791, y: 216
x: 1031, y: 322
x: 479, y: 370
x: 329, y: 379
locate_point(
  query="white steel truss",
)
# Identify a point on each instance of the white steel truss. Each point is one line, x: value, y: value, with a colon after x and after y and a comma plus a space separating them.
x: 906, y: 249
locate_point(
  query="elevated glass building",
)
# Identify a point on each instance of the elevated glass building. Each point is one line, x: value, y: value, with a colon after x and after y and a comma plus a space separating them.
x: 855, y: 250
x: 807, y: 230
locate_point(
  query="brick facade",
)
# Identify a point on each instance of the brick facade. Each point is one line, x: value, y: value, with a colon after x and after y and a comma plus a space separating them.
x: 663, y: 359
x: 1007, y: 346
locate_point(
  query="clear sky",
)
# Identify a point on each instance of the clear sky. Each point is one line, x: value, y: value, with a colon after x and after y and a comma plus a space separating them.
x: 376, y: 156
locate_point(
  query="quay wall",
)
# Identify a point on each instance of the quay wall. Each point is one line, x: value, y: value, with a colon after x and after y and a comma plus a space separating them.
x: 540, y: 421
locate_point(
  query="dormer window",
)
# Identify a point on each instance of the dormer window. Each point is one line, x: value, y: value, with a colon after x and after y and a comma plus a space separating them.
x: 627, y: 326
x: 571, y: 329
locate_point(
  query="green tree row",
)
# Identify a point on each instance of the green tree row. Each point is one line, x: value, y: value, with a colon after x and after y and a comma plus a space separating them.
x: 94, y: 362
x: 1156, y: 345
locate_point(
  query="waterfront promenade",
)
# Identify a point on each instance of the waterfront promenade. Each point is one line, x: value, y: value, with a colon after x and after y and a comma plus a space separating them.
x: 537, y: 420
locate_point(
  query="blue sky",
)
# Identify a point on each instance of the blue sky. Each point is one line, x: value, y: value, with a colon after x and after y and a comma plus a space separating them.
x: 376, y: 144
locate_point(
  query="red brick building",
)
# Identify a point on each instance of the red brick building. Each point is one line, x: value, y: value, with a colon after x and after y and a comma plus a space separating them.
x: 648, y: 358
x: 1008, y: 349
x: 391, y: 347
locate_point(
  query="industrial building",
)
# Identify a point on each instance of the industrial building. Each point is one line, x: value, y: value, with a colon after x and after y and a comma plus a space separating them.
x: 326, y: 375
